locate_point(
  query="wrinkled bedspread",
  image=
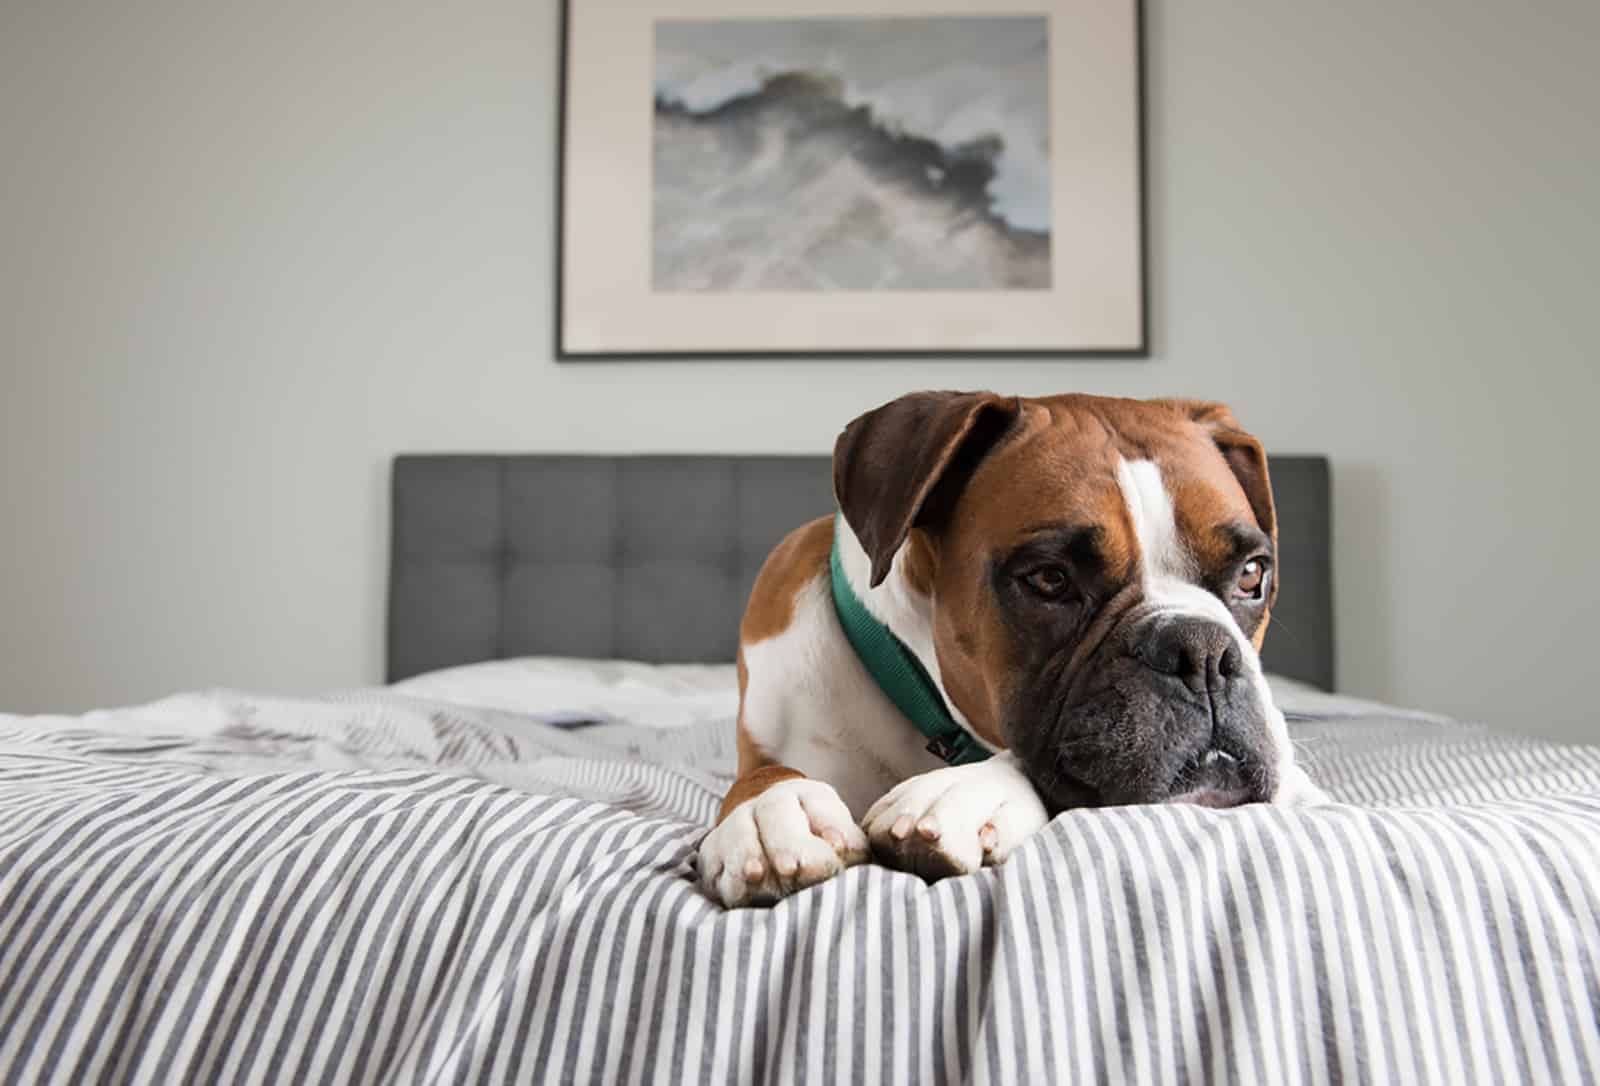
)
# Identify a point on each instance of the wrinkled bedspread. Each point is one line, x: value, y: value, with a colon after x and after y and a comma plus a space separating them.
x: 370, y: 887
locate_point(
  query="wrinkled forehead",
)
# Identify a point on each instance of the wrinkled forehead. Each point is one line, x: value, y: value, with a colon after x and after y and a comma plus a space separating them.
x: 1133, y: 474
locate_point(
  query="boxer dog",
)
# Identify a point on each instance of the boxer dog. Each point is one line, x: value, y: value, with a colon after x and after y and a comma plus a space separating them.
x: 1022, y: 606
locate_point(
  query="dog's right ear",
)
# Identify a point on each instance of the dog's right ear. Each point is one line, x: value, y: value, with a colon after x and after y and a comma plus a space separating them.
x: 890, y: 463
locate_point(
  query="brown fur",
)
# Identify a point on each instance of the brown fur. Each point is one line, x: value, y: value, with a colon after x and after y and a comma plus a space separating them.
x: 918, y: 564
x: 794, y: 564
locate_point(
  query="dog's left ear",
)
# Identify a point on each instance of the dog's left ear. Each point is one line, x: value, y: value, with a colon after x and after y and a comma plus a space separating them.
x: 1243, y: 453
x: 902, y: 464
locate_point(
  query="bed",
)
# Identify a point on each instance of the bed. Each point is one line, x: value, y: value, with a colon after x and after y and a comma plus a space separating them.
x: 483, y: 870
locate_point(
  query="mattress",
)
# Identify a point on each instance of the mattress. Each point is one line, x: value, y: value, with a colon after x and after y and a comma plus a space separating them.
x: 487, y: 875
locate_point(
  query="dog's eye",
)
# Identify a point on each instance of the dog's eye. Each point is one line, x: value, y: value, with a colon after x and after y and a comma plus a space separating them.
x: 1051, y: 582
x: 1252, y: 579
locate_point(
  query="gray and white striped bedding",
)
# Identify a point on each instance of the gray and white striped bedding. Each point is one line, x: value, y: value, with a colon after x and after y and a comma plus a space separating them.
x: 379, y: 888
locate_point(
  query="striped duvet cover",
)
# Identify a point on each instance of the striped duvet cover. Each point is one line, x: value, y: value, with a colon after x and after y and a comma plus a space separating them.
x: 374, y: 887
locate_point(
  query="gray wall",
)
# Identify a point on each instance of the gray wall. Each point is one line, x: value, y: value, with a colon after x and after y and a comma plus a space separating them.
x: 248, y: 251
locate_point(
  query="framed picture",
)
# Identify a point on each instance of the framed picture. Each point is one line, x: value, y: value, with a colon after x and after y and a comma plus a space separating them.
x: 749, y: 178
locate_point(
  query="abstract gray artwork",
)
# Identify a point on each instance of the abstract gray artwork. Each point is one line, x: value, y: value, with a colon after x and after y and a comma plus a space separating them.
x: 848, y: 154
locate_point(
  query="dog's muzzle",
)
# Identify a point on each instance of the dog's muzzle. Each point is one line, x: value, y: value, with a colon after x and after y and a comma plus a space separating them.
x: 1168, y: 709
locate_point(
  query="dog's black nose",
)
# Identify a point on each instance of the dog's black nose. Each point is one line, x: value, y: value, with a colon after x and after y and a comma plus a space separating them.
x: 1200, y: 654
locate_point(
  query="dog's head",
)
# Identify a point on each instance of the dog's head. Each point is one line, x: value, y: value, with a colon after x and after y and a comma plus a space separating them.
x: 1101, y: 574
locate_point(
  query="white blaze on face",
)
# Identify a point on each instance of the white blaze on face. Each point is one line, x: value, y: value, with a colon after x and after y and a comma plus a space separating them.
x: 1168, y: 570
x: 1154, y: 521
x: 1171, y: 584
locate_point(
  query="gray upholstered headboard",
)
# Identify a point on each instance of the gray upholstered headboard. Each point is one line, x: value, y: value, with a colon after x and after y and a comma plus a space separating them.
x: 651, y: 557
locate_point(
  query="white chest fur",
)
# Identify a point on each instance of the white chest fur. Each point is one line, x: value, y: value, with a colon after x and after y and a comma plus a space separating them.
x: 811, y: 705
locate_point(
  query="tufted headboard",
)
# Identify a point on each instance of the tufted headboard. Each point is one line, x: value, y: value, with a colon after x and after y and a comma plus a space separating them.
x: 651, y: 557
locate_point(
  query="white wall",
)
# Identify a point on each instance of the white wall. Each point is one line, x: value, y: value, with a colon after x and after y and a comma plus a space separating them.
x: 247, y: 252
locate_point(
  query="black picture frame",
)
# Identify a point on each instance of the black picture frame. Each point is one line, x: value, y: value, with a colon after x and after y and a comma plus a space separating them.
x: 1139, y: 351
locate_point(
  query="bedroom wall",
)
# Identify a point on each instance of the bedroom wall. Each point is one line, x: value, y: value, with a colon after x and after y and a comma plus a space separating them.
x: 246, y: 255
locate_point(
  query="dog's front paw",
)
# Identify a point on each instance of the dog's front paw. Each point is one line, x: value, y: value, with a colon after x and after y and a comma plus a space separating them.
x: 954, y: 821
x: 1296, y: 789
x: 793, y: 835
